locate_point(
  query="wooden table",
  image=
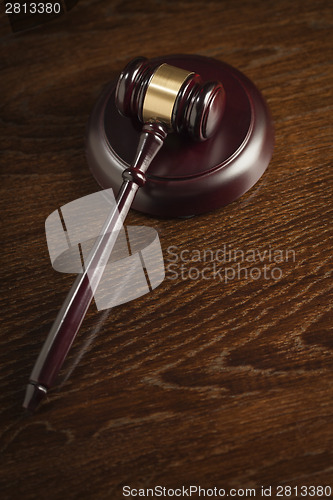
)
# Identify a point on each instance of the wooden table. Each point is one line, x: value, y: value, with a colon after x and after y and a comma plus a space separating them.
x: 201, y: 382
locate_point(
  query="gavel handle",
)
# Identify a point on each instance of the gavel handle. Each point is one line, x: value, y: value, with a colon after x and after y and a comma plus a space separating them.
x: 76, y: 304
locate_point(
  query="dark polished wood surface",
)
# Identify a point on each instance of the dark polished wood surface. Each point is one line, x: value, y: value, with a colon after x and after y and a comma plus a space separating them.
x: 200, y: 382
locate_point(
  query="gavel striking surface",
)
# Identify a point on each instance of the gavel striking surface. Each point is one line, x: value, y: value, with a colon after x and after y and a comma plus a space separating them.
x: 188, y: 177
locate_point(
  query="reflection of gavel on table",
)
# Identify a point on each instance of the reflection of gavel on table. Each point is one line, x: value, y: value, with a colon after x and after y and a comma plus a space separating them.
x: 165, y: 98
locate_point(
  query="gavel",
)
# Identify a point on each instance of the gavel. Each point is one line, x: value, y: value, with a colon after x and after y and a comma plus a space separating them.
x: 174, y: 97
x: 165, y: 99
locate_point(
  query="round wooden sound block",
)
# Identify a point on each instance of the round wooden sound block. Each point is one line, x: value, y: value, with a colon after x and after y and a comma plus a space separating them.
x: 187, y: 177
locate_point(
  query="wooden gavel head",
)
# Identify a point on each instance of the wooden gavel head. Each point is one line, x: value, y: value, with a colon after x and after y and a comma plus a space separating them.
x: 173, y: 96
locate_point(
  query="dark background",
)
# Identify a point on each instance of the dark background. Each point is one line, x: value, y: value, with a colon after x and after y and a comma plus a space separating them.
x: 198, y: 382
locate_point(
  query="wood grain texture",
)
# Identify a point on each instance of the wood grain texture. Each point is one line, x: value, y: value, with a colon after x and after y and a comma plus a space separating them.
x: 199, y: 382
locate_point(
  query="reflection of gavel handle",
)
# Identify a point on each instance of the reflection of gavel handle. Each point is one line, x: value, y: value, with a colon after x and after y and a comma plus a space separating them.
x: 76, y: 304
